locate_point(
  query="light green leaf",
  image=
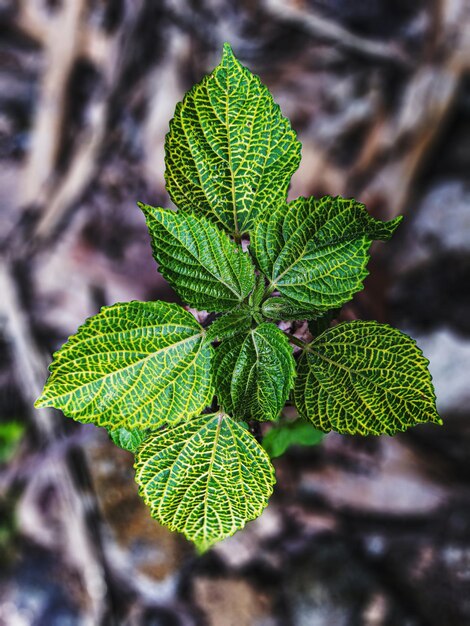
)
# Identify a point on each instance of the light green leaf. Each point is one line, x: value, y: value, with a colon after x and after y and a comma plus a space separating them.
x: 135, y: 365
x: 254, y: 372
x: 364, y: 378
x: 205, y: 478
x: 207, y: 270
x: 128, y: 440
x: 230, y: 153
x: 283, y: 436
x: 229, y: 325
x: 11, y: 433
x: 315, y: 252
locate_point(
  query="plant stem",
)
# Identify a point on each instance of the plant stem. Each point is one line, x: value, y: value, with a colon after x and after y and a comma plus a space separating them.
x: 268, y: 291
x: 296, y: 341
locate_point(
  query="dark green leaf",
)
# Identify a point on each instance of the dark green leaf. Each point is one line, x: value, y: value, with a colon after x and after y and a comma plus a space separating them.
x: 207, y: 270
x: 229, y: 325
x: 256, y: 296
x: 315, y: 252
x: 281, y: 308
x: 230, y: 153
x: 254, y: 372
x: 205, y: 478
x: 364, y: 378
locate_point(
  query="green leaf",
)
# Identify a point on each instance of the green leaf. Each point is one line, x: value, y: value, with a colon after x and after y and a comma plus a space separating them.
x: 135, y: 364
x: 257, y: 294
x: 230, y: 153
x: 282, y: 436
x: 205, y: 478
x: 11, y: 433
x: 315, y: 252
x: 229, y: 325
x: 128, y: 440
x: 254, y: 372
x: 281, y: 308
x: 364, y: 378
x: 207, y: 270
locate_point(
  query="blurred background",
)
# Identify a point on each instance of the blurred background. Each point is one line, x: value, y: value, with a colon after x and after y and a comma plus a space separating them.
x: 371, y: 531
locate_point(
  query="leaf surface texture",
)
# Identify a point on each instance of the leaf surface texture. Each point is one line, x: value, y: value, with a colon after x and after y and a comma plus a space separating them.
x: 364, y: 378
x: 205, y: 478
x: 229, y: 153
x: 135, y: 365
x: 128, y: 440
x: 315, y: 252
x: 230, y: 324
x: 207, y: 270
x: 254, y: 372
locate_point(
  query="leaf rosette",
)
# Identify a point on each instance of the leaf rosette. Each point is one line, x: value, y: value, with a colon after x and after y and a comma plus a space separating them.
x: 184, y: 397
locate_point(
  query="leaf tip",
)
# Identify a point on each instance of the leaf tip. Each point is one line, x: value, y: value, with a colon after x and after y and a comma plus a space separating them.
x: 227, y: 51
x: 42, y: 402
x: 392, y: 225
x: 143, y: 207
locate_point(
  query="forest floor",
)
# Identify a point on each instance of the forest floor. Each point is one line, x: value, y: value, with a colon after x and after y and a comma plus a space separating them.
x: 365, y: 532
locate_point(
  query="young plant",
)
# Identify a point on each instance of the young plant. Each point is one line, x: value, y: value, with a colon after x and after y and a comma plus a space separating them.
x: 148, y: 371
